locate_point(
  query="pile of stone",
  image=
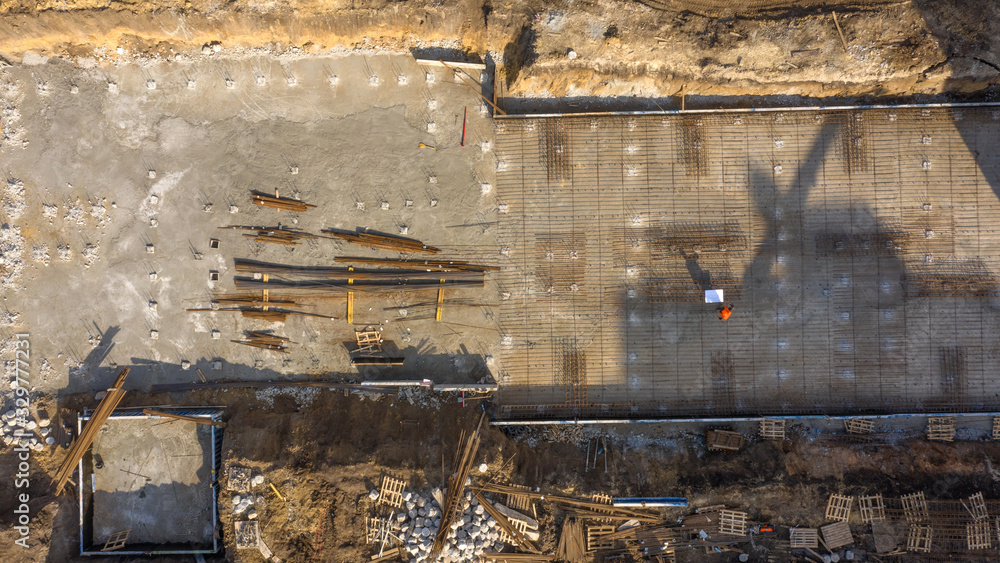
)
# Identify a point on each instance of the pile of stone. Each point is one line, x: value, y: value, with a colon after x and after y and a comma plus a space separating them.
x: 471, y: 534
x: 35, y: 435
x: 243, y: 481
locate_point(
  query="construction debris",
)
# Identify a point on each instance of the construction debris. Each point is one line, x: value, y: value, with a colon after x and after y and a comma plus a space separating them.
x: 464, y: 458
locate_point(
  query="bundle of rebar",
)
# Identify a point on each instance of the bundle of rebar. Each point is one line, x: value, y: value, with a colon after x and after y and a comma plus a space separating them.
x: 198, y: 386
x: 90, y: 430
x: 582, y: 506
x: 275, y: 202
x: 276, y: 235
x: 465, y: 457
x: 351, y: 275
x: 251, y: 299
x: 263, y: 313
x: 383, y: 242
x: 265, y: 341
x: 428, y: 265
x: 516, y: 557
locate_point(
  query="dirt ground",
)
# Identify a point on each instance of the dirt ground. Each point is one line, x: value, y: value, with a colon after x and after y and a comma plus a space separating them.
x: 323, y: 451
x: 589, y: 49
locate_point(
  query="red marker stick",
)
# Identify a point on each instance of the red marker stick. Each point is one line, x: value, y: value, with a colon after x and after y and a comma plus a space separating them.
x: 465, y: 119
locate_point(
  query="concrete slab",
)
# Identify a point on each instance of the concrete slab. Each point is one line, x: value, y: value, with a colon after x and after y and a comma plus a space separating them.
x: 153, y: 477
x: 123, y: 180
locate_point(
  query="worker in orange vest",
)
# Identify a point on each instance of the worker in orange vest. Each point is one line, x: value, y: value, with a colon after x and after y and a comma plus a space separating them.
x: 725, y: 312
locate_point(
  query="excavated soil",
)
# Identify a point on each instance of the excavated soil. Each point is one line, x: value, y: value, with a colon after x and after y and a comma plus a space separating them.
x: 324, y: 450
x: 575, y: 48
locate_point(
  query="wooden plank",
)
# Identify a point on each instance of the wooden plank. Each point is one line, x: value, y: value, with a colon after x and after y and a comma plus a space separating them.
x: 836, y: 535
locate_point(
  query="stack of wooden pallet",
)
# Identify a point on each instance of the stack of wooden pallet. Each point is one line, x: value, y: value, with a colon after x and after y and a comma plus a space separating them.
x: 90, y: 430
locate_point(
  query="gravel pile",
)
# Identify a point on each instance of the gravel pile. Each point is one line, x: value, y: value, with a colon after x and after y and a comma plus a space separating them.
x: 471, y: 534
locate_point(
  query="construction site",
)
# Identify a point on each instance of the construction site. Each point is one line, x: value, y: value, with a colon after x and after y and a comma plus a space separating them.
x: 613, y: 282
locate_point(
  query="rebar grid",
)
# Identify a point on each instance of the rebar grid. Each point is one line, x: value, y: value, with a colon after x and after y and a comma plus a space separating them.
x: 859, y: 248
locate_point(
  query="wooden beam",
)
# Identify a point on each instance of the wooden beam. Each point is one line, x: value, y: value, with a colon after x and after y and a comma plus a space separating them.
x: 194, y: 419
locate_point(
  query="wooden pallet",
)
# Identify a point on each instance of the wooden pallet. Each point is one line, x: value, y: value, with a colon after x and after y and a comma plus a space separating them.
x: 804, y: 538
x: 733, y: 522
x: 836, y: 535
x: 941, y: 428
x: 978, y: 534
x: 772, y: 429
x: 977, y: 507
x: 859, y: 425
x: 839, y: 508
x: 516, y: 523
x: 391, y: 492
x: 595, y: 540
x: 920, y: 538
x: 723, y: 440
x: 522, y: 503
x: 996, y: 427
x: 915, y: 508
x: 872, y: 508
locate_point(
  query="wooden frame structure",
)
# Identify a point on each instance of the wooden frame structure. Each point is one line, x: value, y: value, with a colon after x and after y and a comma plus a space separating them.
x: 116, y: 541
